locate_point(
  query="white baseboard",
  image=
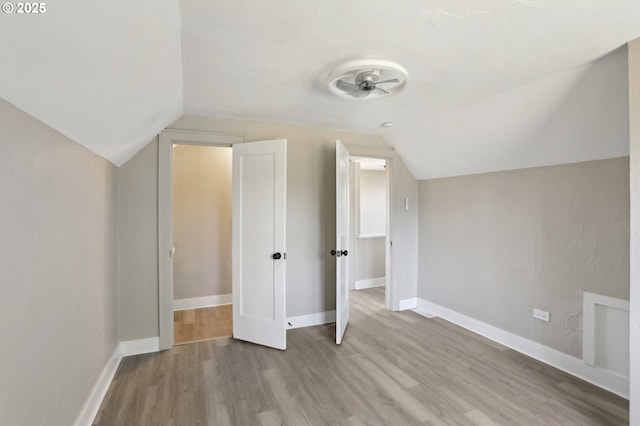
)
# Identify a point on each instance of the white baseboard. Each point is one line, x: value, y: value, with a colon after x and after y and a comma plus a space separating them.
x: 93, y: 402
x: 370, y: 283
x: 140, y: 346
x: 310, y: 320
x: 201, y: 302
x: 405, y: 304
x: 567, y: 363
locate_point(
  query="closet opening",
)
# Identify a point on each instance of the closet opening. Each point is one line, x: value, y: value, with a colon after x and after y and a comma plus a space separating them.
x: 369, y: 220
x: 201, y: 231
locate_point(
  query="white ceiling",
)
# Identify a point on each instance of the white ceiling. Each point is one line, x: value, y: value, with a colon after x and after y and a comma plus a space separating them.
x: 107, y: 74
x: 493, y: 85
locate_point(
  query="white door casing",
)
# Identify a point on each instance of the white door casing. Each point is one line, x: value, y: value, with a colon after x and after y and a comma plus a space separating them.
x: 167, y: 139
x: 342, y: 240
x: 259, y: 242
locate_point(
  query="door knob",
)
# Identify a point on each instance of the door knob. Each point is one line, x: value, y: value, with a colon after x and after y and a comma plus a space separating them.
x: 276, y: 256
x: 345, y: 253
x: 333, y: 252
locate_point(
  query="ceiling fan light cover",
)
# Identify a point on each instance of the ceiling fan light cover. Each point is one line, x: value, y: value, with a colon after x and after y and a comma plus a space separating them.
x: 367, y: 79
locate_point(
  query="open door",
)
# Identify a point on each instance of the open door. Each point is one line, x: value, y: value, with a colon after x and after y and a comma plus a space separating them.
x: 342, y: 240
x: 259, y: 238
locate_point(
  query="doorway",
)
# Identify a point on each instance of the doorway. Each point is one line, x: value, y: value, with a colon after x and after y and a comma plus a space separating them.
x: 258, y: 235
x: 202, y: 196
x: 369, y: 205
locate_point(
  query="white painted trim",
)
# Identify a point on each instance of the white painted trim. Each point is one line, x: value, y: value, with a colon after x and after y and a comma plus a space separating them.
x: 589, y: 302
x: 371, y: 236
x: 166, y: 140
x: 567, y: 363
x: 311, y: 319
x: 140, y: 346
x: 370, y: 283
x: 93, y: 402
x: 201, y: 302
x: 411, y: 303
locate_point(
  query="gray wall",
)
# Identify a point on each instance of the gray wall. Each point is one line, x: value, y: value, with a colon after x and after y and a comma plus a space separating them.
x: 310, y: 219
x: 370, y: 258
x: 59, y: 271
x: 138, y: 245
x: 494, y: 246
x: 201, y: 220
x: 404, y: 225
x: 372, y: 203
x: 634, y: 166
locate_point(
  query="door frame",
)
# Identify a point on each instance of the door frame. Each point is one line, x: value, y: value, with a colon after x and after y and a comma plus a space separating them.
x: 354, y: 217
x: 168, y: 138
x: 392, y: 301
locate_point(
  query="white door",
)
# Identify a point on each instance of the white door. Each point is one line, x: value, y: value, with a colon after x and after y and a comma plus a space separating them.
x: 259, y: 253
x: 342, y: 240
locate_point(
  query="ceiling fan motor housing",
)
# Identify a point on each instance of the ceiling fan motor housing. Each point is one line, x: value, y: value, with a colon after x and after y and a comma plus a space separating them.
x: 367, y: 79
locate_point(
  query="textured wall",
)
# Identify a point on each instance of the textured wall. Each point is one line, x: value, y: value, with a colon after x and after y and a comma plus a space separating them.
x: 201, y: 220
x: 59, y: 272
x: 496, y: 245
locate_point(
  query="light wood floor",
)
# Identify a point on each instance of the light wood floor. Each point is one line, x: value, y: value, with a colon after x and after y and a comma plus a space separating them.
x: 392, y: 368
x: 198, y: 325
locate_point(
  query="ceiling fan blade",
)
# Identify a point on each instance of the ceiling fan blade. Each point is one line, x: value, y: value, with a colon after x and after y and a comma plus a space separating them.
x: 393, y: 80
x: 382, y: 90
x: 347, y: 87
x: 360, y: 94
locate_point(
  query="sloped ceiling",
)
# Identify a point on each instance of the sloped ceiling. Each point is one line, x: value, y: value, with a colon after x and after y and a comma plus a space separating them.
x: 493, y: 85
x: 106, y: 74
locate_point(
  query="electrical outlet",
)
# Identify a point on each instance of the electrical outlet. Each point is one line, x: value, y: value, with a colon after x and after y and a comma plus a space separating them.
x: 541, y: 315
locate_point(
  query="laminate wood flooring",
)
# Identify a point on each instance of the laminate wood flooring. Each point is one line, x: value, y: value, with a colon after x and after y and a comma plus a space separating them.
x: 393, y: 368
x: 198, y: 325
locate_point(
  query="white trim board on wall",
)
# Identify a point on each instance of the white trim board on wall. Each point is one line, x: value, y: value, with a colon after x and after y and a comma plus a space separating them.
x: 410, y: 303
x: 94, y: 401
x: 201, y: 302
x: 370, y: 283
x: 311, y: 319
x: 567, y: 363
x: 140, y: 346
x: 126, y: 348
x: 589, y: 326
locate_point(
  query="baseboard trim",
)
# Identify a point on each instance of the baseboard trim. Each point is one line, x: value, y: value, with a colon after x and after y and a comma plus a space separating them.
x: 311, y: 320
x: 94, y: 401
x: 140, y: 346
x: 370, y: 283
x: 405, y: 304
x: 567, y: 363
x: 201, y: 302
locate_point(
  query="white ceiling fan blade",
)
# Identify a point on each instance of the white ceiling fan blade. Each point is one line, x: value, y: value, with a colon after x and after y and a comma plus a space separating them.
x: 360, y: 94
x: 393, y: 80
x: 347, y: 87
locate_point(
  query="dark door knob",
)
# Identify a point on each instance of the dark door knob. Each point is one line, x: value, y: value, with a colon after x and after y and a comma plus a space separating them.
x: 345, y: 253
x: 333, y: 252
x: 276, y: 256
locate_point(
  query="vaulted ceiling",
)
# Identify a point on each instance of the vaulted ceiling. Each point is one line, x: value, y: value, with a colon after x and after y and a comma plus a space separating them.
x: 493, y: 85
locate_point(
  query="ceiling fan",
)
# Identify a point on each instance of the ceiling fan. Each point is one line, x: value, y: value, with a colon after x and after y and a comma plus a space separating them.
x: 365, y: 83
x: 366, y: 79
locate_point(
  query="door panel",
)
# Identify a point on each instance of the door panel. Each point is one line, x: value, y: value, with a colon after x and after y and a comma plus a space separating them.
x: 342, y: 240
x: 259, y: 206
